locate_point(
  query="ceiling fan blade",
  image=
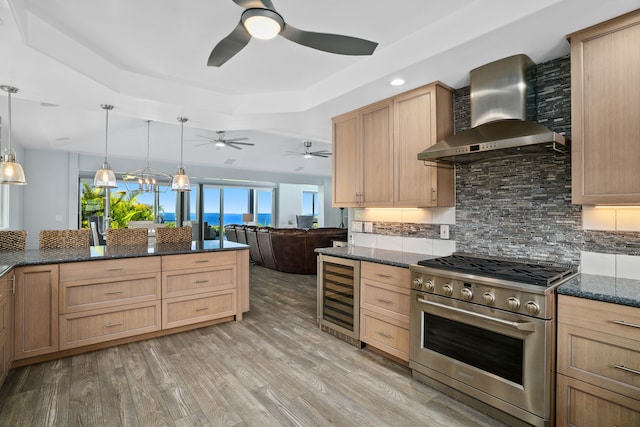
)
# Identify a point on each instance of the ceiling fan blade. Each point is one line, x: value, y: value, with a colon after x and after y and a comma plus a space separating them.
x: 236, y: 139
x: 247, y: 4
x: 332, y: 43
x: 230, y: 144
x: 229, y: 46
x: 320, y: 153
x: 204, y: 143
x: 239, y: 143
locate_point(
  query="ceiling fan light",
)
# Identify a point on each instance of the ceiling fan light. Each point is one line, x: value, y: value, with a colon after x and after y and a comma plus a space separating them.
x: 219, y: 144
x: 262, y: 24
x: 307, y: 156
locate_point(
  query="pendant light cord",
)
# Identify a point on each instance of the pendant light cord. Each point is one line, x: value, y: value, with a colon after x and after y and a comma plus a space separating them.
x: 9, y: 90
x: 106, y: 129
x: 148, y: 130
x: 182, y: 120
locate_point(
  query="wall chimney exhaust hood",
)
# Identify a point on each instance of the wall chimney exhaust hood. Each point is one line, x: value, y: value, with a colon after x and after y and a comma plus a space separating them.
x: 502, y: 117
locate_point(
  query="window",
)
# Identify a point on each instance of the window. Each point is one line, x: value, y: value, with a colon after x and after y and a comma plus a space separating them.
x: 310, y: 203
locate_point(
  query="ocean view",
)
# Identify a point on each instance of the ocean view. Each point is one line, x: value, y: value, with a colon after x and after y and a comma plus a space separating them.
x: 214, y: 218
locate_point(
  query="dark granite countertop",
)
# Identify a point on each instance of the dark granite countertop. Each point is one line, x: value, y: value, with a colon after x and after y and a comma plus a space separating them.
x: 380, y: 256
x: 603, y: 288
x: 9, y: 260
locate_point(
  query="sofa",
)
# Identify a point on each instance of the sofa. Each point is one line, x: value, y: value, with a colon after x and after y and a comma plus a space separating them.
x: 290, y: 250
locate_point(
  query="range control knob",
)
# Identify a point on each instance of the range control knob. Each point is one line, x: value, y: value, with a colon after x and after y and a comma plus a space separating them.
x: 488, y: 298
x: 467, y: 294
x: 447, y: 289
x: 532, y: 307
x: 513, y: 303
x: 417, y: 283
x: 429, y: 286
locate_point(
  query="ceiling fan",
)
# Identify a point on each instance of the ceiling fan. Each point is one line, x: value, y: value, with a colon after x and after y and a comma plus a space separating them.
x: 307, y: 153
x: 261, y: 20
x: 221, y: 141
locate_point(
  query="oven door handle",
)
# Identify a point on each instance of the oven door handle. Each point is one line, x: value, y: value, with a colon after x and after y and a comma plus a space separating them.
x: 521, y: 326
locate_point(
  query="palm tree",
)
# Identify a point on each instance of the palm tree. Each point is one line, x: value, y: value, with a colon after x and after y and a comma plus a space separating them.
x: 124, y: 207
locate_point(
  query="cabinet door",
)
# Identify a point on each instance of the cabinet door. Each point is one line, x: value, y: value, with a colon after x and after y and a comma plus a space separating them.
x: 422, y: 117
x: 347, y: 173
x: 605, y: 102
x: 377, y: 155
x: 36, y: 311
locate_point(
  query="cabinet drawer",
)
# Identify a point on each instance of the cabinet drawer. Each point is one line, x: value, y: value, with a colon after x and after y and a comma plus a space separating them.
x: 108, y: 268
x: 91, y: 327
x: 610, y: 362
x: 197, y: 308
x: 387, y: 301
x: 385, y: 334
x: 614, y: 319
x: 584, y: 405
x: 80, y: 296
x: 199, y: 260
x: 396, y: 276
x: 181, y: 283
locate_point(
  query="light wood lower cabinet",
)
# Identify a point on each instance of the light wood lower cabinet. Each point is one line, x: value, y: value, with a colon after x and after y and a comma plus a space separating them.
x: 199, y: 287
x: 384, y: 308
x: 36, y: 311
x: 598, y: 363
x: 97, y: 326
x: 6, y: 324
x: 109, y: 299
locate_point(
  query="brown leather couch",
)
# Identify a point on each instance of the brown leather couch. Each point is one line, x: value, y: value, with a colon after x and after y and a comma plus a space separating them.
x: 291, y: 250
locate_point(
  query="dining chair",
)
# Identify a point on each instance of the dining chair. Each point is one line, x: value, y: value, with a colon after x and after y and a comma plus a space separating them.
x: 127, y: 236
x: 65, y: 239
x: 12, y: 240
x: 173, y: 235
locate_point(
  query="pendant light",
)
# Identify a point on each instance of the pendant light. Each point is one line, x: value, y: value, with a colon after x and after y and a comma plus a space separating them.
x: 11, y: 172
x: 147, y: 179
x: 181, y: 180
x: 105, y: 178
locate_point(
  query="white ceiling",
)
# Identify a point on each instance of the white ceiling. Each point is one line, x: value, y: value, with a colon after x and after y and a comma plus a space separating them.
x: 148, y: 58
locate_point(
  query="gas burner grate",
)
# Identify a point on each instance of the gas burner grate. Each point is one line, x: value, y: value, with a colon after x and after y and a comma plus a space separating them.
x: 538, y: 273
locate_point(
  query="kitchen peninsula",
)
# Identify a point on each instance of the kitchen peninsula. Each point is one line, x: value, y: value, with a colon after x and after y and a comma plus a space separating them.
x: 69, y: 301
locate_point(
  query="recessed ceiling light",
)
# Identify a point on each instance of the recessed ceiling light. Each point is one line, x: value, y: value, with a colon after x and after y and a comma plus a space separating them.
x: 298, y: 169
x: 63, y: 138
x: 397, y: 82
x: 229, y: 161
x: 48, y: 104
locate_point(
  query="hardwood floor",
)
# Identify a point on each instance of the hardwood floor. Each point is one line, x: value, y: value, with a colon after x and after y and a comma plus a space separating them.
x: 275, y: 368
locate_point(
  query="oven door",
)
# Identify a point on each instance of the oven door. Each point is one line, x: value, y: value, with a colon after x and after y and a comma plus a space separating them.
x: 495, y: 356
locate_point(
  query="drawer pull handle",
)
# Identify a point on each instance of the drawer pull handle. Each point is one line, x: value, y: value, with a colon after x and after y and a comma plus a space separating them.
x: 623, y: 323
x: 114, y: 268
x: 202, y: 281
x: 384, y: 334
x: 624, y: 368
x: 202, y: 308
x: 200, y: 261
x: 111, y: 325
x: 113, y: 292
x: 386, y: 276
x: 386, y: 301
x: 13, y: 284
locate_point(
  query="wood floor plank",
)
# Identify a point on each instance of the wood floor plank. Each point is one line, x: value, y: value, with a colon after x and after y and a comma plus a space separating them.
x: 274, y: 368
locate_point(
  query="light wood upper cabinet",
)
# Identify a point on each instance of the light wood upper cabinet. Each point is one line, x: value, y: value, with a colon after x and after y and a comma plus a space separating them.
x: 36, y: 311
x: 363, y: 157
x: 605, y: 104
x: 422, y: 117
x: 375, y: 151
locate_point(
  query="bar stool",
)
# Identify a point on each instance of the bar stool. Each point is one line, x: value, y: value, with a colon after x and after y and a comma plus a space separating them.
x: 13, y: 240
x: 173, y: 235
x: 65, y: 239
x: 127, y: 236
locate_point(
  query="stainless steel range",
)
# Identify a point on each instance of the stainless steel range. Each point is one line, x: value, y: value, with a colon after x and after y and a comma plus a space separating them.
x: 483, y: 330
